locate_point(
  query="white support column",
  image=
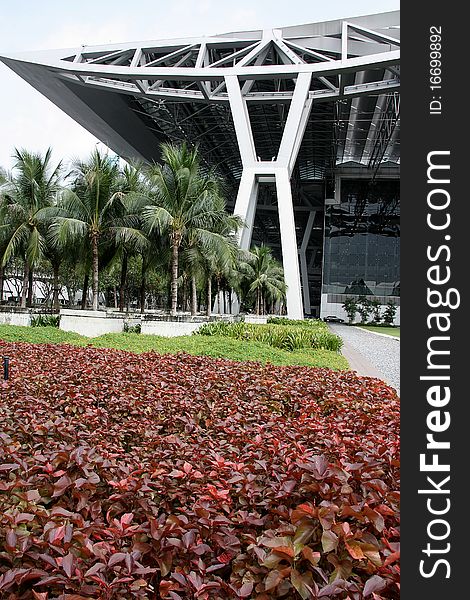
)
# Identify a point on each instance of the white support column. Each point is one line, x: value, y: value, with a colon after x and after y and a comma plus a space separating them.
x: 303, y: 260
x: 296, y: 122
x: 344, y: 54
x: 300, y: 133
x: 241, y: 121
x: 290, y: 257
x: 245, y: 206
x: 281, y: 168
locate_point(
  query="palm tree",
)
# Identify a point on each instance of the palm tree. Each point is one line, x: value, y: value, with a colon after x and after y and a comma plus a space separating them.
x: 214, y: 255
x: 54, y: 256
x: 186, y: 206
x: 2, y: 268
x: 134, y: 188
x: 25, y: 197
x: 263, y: 277
x: 93, y: 211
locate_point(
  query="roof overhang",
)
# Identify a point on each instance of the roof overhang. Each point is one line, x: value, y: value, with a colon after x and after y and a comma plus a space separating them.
x: 133, y: 95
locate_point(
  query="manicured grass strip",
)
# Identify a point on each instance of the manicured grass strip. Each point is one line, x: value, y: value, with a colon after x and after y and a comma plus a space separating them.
x: 40, y: 335
x: 214, y: 346
x: 395, y: 331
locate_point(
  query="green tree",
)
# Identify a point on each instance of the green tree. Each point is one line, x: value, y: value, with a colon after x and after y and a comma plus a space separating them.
x: 185, y: 206
x: 390, y: 313
x: 215, y: 254
x: 375, y: 306
x: 363, y: 308
x: 93, y: 212
x: 264, y: 276
x: 133, y: 189
x: 350, y: 307
x: 26, y: 194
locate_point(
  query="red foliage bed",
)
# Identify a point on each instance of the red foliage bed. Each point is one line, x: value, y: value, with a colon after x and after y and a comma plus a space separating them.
x: 142, y: 476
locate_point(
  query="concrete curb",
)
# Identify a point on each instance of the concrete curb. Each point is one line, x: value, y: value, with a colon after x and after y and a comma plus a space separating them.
x: 390, y: 337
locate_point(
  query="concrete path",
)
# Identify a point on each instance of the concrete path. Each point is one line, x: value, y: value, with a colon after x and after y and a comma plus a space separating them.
x: 370, y: 355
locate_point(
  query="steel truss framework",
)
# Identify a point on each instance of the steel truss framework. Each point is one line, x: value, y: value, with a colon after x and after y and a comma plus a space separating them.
x: 259, y: 103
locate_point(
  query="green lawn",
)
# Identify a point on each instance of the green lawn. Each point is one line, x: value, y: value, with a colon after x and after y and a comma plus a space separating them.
x: 395, y: 331
x: 215, y: 346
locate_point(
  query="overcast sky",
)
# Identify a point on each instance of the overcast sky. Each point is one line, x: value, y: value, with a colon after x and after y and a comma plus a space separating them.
x: 28, y: 120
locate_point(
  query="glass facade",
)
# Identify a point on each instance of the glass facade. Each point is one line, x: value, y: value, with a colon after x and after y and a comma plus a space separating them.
x: 362, y: 239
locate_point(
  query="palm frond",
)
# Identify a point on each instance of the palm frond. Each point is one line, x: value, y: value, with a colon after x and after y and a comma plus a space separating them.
x: 66, y: 230
x: 157, y: 219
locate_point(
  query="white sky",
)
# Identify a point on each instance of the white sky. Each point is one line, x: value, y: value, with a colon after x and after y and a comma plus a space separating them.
x: 28, y: 120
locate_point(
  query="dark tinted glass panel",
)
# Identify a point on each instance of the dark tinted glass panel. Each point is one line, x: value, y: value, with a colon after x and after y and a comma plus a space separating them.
x: 362, y: 239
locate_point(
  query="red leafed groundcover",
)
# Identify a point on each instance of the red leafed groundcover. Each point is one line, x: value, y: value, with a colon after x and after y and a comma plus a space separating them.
x: 148, y: 476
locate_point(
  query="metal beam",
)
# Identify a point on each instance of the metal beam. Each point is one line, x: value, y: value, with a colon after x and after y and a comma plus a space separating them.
x: 358, y: 63
x: 374, y: 35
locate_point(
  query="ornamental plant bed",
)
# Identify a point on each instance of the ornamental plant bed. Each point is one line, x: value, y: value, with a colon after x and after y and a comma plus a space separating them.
x: 173, y: 477
x: 286, y: 337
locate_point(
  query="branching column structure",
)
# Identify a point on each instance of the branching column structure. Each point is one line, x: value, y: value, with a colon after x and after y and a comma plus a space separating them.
x: 134, y: 96
x: 280, y: 168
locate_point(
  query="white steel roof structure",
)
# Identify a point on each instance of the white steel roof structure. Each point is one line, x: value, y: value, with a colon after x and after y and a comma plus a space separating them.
x: 258, y: 103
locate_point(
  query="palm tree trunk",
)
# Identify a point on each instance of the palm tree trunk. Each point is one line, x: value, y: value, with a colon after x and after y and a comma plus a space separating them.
x: 193, y: 296
x: 55, y: 297
x: 2, y: 279
x: 142, y: 294
x: 184, y: 295
x: 85, y: 291
x: 122, y: 288
x: 24, y: 289
x: 95, y: 282
x: 218, y: 295
x: 174, y: 276
x: 143, y: 283
x: 209, y: 296
x: 30, y: 287
x: 257, y: 301
x: 70, y: 295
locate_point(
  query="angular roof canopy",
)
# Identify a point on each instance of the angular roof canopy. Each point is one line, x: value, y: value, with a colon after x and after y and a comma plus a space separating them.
x: 134, y: 95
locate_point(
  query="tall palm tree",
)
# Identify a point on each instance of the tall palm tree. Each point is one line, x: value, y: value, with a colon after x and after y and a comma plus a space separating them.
x: 26, y: 195
x: 186, y: 205
x: 262, y: 274
x: 216, y: 254
x: 3, y: 239
x: 134, y: 188
x: 93, y: 211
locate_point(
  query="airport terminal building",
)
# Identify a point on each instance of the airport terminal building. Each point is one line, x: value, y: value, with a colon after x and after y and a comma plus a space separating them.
x: 303, y: 123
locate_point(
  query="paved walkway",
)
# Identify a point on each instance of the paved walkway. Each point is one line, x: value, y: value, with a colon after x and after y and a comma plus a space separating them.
x: 370, y: 355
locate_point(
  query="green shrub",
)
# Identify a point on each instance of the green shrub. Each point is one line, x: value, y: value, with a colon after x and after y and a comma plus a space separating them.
x: 350, y: 306
x: 132, y: 328
x: 390, y: 313
x: 363, y: 308
x: 304, y: 323
x: 285, y: 337
x: 45, y: 321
